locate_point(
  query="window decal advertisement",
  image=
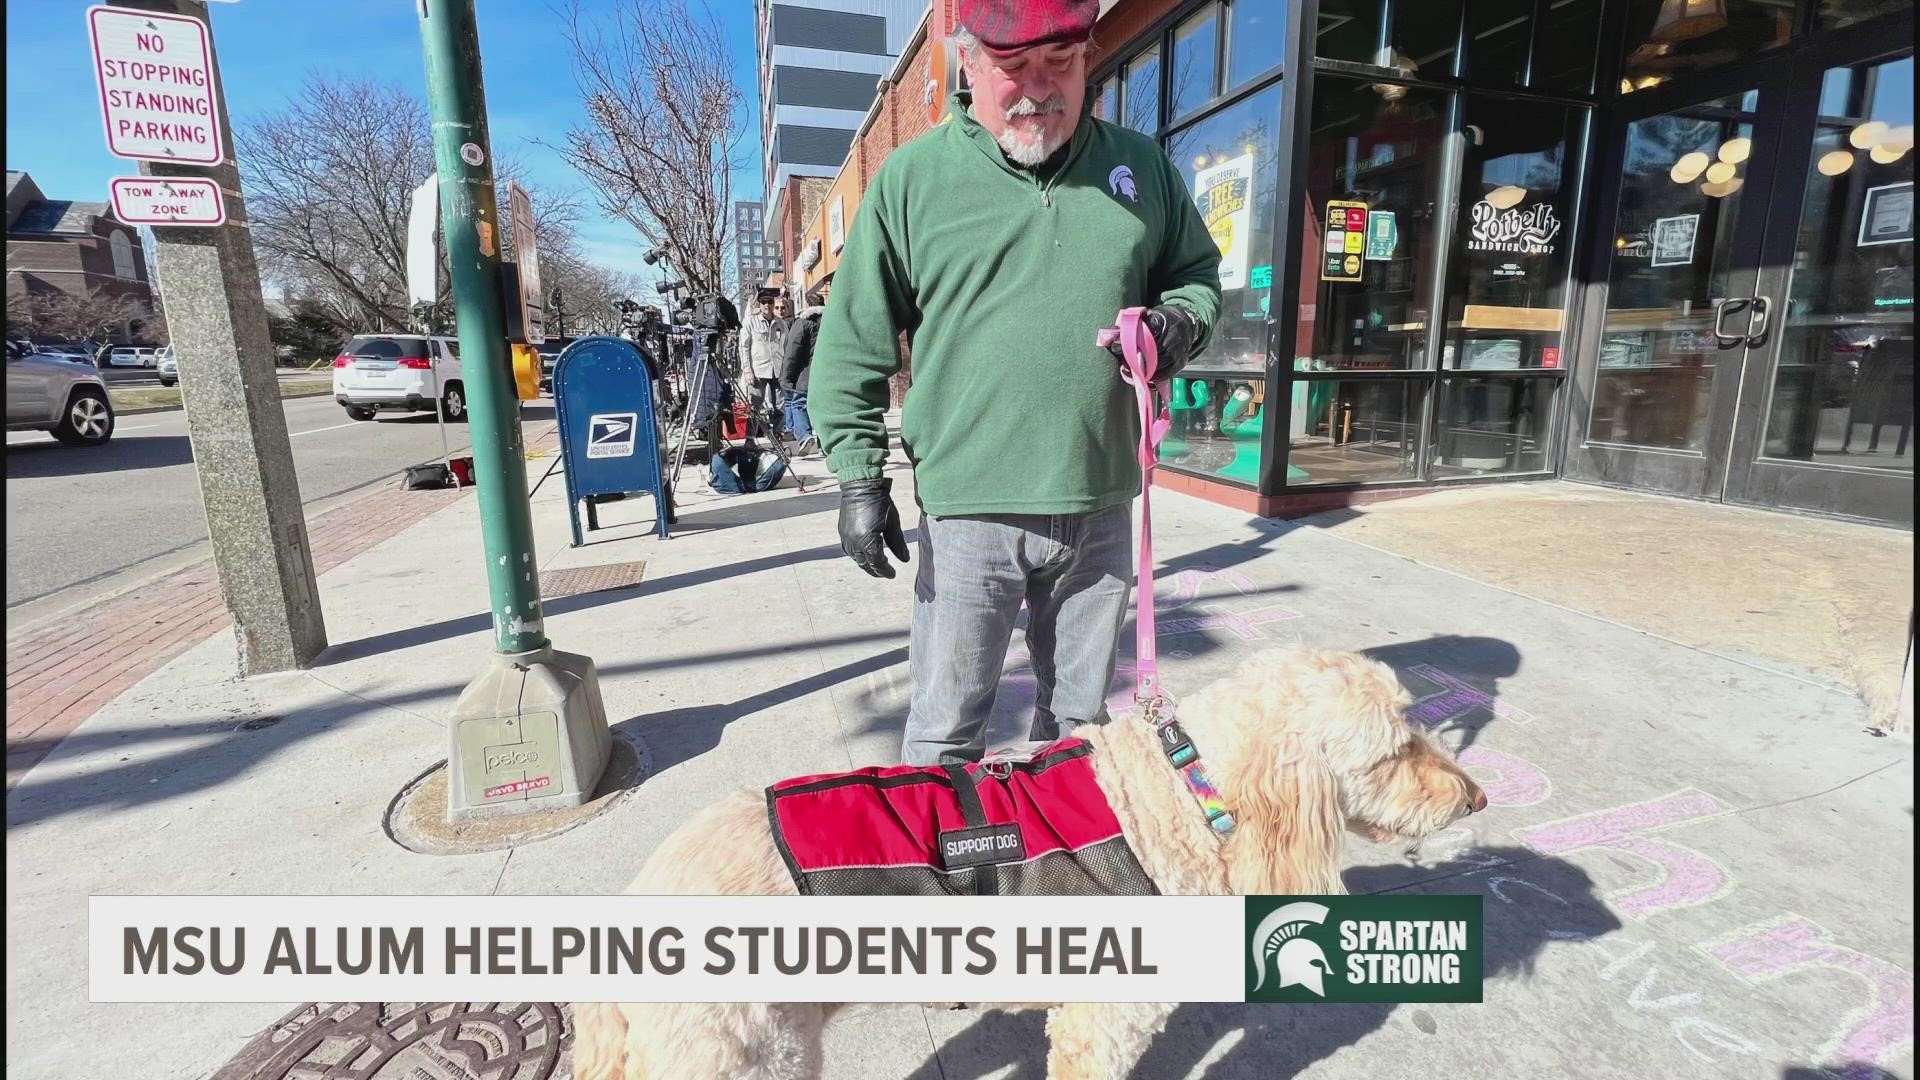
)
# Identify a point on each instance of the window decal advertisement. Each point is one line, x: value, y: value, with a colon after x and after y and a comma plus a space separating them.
x: 1224, y: 193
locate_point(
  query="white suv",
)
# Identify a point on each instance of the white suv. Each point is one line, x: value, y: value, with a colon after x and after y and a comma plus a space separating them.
x: 401, y: 372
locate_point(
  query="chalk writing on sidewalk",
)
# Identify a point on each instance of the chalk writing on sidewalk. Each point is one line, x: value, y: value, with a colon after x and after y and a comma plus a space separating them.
x: 1878, y: 1030
x: 1687, y: 877
x: 1678, y: 1011
x: 1455, y: 699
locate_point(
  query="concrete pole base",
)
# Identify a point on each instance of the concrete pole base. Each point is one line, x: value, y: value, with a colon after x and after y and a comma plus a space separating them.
x: 529, y: 734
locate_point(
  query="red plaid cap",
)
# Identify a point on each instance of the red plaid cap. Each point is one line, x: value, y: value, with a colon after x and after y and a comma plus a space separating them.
x: 1005, y: 26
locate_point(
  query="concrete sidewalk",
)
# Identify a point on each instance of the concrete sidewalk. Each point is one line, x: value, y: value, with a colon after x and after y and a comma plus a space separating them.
x: 1695, y: 864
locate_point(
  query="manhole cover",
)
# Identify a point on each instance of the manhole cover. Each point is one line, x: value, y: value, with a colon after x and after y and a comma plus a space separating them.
x: 417, y: 817
x: 409, y: 1040
x: 591, y: 579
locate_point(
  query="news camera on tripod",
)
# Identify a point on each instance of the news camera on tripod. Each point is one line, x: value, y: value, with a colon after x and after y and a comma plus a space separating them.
x: 702, y: 350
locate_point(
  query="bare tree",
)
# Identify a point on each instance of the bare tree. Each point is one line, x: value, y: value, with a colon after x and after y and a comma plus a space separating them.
x: 588, y: 292
x: 329, y: 181
x: 92, y: 316
x: 664, y: 127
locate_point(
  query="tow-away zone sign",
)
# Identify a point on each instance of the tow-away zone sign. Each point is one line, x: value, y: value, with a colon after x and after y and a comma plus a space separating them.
x: 155, y: 74
x: 153, y: 200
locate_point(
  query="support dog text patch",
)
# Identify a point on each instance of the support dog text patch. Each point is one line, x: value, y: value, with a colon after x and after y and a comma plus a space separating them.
x: 982, y: 846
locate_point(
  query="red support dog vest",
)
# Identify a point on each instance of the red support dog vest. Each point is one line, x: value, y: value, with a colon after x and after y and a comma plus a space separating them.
x: 1032, y: 825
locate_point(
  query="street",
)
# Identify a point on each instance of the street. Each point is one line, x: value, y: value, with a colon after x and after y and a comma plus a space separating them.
x: 79, y: 516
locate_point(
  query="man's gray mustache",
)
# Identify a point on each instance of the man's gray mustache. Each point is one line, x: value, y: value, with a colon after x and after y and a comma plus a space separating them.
x: 1030, y: 107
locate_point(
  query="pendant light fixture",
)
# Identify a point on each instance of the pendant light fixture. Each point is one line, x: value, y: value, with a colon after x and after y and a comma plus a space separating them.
x: 1683, y: 20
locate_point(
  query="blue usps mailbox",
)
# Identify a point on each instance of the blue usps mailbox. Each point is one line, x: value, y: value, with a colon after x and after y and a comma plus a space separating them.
x: 609, y: 440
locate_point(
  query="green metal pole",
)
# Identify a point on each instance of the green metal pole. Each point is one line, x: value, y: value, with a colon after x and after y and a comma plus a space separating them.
x: 470, y: 220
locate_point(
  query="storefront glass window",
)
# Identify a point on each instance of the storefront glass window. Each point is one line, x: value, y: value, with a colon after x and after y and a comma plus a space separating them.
x: 1256, y: 39
x: 1196, y: 62
x: 1497, y: 35
x: 1485, y: 426
x: 1371, y: 182
x: 1142, y: 96
x: 1352, y: 431
x: 1421, y: 41
x: 1512, y: 242
x: 1565, y: 47
x: 1680, y: 198
x: 1108, y: 105
x: 1843, y: 389
x: 1668, y: 37
x: 1229, y: 162
x: 1216, y: 425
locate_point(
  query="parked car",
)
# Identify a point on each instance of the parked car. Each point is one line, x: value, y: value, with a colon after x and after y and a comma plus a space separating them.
x: 57, y: 393
x: 402, y: 373
x: 132, y: 356
x: 77, y: 352
x: 169, y: 369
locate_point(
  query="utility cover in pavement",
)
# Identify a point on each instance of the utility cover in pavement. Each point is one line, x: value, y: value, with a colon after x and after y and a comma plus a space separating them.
x: 408, y: 1040
x: 578, y: 580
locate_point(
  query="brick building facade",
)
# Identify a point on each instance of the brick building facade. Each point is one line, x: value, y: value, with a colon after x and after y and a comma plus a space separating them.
x: 1441, y: 231
x: 76, y: 248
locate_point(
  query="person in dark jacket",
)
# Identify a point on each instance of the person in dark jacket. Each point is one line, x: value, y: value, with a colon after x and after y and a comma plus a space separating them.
x: 802, y: 333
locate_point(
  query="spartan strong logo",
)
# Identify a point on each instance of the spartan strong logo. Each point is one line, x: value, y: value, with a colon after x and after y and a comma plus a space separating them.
x: 1277, y: 944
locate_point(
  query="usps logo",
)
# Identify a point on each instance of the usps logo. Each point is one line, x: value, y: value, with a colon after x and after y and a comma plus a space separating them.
x: 611, y: 434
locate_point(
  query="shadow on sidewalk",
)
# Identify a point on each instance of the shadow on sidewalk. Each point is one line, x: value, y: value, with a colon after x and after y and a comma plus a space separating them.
x: 26, y: 461
x: 213, y: 753
x: 740, y: 510
x: 676, y: 736
x: 1552, y: 900
x: 1455, y: 681
x: 446, y: 629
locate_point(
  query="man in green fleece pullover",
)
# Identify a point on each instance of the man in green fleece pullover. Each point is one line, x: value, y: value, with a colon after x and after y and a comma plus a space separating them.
x: 1000, y: 243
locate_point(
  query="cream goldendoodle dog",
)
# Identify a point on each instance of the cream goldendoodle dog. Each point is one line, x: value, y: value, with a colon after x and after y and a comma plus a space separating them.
x: 1304, y: 745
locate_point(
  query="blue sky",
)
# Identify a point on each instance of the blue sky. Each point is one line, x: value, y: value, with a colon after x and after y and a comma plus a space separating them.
x: 268, y: 48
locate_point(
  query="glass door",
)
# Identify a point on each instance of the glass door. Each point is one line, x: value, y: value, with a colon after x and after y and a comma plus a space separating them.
x: 1683, y: 312
x: 1827, y: 418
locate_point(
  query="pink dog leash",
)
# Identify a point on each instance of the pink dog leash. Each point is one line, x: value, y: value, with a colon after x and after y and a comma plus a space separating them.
x: 1140, y: 360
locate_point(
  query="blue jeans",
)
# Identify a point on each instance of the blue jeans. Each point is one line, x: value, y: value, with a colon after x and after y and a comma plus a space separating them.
x: 799, y: 424
x: 1074, y: 573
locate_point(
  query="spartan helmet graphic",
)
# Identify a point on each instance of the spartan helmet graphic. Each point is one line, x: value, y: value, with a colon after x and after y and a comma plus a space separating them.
x: 1300, y: 962
x: 1120, y: 182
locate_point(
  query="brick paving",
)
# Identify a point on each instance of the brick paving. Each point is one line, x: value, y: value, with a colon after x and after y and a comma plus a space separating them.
x: 60, y: 676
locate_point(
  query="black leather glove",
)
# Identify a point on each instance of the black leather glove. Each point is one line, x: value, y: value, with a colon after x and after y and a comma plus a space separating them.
x: 868, y: 521
x: 1174, y: 330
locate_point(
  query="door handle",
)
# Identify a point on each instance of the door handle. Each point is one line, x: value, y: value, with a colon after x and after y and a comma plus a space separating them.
x: 1757, y: 331
x: 1730, y: 306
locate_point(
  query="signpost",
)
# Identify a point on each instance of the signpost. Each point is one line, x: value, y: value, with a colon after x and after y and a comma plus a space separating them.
x: 159, y: 78
x: 149, y: 200
x: 423, y: 218
x: 155, y: 72
x: 533, y: 709
x: 526, y: 257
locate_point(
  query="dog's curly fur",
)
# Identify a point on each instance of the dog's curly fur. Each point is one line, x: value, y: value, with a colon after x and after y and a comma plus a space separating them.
x: 1304, y: 744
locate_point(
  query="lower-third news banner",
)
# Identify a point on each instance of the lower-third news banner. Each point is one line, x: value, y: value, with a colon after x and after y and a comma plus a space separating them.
x: 1297, y: 949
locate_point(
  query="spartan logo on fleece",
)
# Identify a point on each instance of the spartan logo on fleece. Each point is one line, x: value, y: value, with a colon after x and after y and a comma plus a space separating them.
x: 1120, y: 182
x: 1363, y: 948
